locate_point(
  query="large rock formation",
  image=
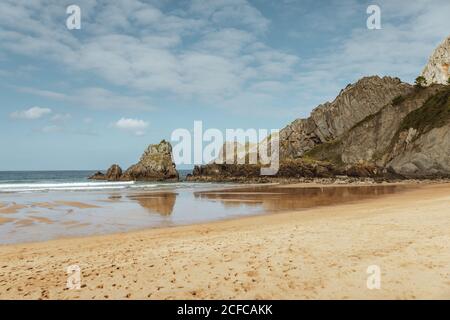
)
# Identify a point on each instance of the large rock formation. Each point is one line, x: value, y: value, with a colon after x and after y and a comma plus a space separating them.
x: 421, y: 147
x: 155, y: 164
x: 327, y: 123
x: 238, y: 152
x: 409, y: 136
x: 437, y: 69
x: 332, y: 119
x: 377, y: 127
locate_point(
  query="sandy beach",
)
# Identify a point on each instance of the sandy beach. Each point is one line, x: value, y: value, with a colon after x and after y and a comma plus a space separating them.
x: 317, y: 253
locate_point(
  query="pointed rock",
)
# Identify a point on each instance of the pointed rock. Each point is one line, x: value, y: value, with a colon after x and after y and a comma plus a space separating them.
x: 437, y: 69
x: 155, y: 164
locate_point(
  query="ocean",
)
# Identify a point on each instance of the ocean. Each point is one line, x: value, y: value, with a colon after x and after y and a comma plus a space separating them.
x: 32, y: 181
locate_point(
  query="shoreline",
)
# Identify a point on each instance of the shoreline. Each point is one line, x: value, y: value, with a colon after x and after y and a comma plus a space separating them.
x: 316, y: 253
x: 232, y: 219
x: 224, y: 189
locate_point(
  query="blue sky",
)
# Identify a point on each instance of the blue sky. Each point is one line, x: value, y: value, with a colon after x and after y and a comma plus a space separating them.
x: 137, y: 70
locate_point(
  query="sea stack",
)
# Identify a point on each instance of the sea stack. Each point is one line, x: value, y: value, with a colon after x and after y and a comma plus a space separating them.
x: 156, y: 164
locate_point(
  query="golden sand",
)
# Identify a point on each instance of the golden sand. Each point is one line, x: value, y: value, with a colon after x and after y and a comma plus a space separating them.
x: 316, y: 253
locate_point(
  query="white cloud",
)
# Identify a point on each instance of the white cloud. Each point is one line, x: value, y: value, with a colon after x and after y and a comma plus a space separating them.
x: 31, y: 114
x: 94, y: 98
x: 42, y: 93
x: 230, y: 12
x: 135, y: 126
x: 88, y: 120
x: 51, y: 129
x: 140, y: 47
x: 217, y: 50
x: 61, y: 117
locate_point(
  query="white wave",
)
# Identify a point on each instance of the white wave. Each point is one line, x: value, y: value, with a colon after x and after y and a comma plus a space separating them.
x: 71, y: 186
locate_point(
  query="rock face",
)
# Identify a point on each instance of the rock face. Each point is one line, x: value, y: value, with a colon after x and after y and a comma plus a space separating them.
x: 288, y: 169
x: 410, y: 137
x: 437, y: 69
x: 155, y: 164
x: 112, y: 174
x: 369, y: 140
x: 377, y: 127
x: 422, y: 146
x: 98, y: 176
x: 330, y: 120
x: 239, y: 152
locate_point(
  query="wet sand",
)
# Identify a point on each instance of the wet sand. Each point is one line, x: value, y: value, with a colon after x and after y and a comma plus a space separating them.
x: 45, y: 216
x: 5, y: 220
x: 13, y: 208
x: 318, y: 253
x: 76, y: 204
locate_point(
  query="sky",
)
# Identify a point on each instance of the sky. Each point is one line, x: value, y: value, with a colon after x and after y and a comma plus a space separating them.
x: 138, y: 70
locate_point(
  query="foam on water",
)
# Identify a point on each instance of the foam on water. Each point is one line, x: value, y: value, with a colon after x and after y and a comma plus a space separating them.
x: 61, y: 186
x: 46, y: 181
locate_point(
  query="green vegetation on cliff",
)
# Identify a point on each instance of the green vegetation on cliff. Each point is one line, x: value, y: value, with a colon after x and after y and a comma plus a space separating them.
x: 434, y: 113
x: 397, y: 100
x: 328, y: 151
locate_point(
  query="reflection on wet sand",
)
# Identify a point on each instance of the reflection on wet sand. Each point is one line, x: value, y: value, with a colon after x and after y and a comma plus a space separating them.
x: 274, y: 199
x: 161, y: 202
x: 46, y: 216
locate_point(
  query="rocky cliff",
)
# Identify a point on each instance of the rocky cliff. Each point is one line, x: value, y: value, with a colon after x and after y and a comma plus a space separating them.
x: 408, y: 136
x: 437, y: 69
x: 332, y: 119
x: 155, y: 164
x: 377, y: 127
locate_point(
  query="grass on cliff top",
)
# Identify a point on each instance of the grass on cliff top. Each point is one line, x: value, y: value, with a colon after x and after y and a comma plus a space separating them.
x: 434, y: 113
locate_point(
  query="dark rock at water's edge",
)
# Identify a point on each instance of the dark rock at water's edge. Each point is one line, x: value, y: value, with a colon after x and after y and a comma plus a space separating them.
x: 114, y: 173
x: 289, y: 170
x: 98, y: 176
x: 156, y: 164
